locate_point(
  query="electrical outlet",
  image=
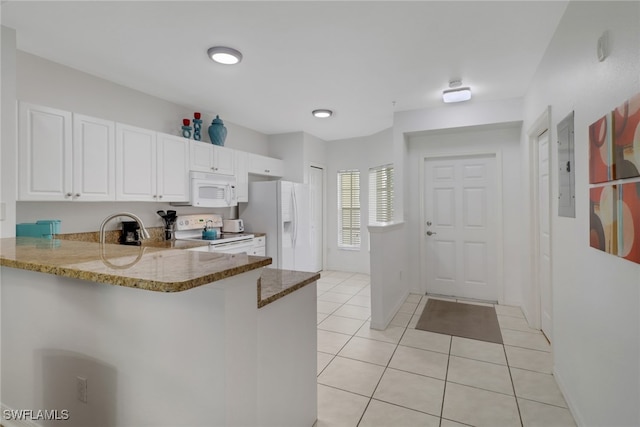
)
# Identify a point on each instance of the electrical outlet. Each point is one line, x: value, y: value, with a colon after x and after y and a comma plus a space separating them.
x: 81, y: 388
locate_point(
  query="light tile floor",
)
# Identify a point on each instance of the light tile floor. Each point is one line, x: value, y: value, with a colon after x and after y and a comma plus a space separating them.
x: 406, y: 377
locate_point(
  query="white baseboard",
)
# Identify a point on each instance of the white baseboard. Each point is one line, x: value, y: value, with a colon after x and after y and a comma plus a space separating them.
x: 572, y: 408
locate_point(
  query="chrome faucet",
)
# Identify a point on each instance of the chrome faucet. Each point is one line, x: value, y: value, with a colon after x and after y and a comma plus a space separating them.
x: 144, y: 234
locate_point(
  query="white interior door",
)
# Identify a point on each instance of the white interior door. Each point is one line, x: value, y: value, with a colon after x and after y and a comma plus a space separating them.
x: 544, y: 234
x: 460, y: 227
x: 316, y: 192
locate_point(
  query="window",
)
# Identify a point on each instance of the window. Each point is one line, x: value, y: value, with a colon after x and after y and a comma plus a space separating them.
x: 381, y: 194
x: 349, y: 209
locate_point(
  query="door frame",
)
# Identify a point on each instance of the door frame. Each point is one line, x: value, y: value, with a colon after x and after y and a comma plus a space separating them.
x: 324, y: 205
x: 497, y: 154
x: 540, y: 126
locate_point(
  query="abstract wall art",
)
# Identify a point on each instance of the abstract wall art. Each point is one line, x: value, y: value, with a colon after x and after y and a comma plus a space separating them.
x: 626, y: 139
x: 614, y: 172
x: 600, y: 151
x: 603, y: 219
x: 629, y: 221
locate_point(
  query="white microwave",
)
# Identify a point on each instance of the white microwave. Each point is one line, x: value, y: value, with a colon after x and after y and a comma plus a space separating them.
x: 210, y: 190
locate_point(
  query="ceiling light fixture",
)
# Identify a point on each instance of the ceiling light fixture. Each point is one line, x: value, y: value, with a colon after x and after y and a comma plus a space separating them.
x: 322, y: 113
x: 224, y: 55
x: 456, y: 93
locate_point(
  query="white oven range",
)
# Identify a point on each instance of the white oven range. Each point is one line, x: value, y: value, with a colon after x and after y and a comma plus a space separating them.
x: 190, y: 227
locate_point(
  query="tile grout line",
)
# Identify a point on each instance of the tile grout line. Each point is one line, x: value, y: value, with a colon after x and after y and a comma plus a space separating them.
x: 515, y: 396
x: 383, y: 372
x: 446, y: 376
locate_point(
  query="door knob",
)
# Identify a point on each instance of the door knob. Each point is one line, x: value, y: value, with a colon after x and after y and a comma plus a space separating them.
x: 430, y: 233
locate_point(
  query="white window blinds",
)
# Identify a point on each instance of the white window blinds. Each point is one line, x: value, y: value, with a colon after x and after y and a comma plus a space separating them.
x: 349, y: 209
x: 381, y: 194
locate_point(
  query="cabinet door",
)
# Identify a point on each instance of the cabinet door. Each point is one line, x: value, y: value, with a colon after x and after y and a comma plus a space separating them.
x: 223, y: 160
x: 136, y: 163
x: 93, y: 159
x: 201, y: 154
x: 242, y: 176
x: 44, y: 153
x: 263, y: 165
x: 173, y: 168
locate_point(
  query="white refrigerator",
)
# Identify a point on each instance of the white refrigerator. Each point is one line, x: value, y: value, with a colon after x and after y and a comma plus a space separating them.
x: 281, y: 210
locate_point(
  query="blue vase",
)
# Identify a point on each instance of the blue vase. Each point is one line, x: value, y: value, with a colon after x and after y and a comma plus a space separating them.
x: 217, y: 131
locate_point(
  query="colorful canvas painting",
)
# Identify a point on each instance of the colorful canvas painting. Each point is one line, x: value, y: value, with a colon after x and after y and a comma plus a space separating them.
x: 629, y: 221
x: 603, y: 219
x: 600, y: 151
x: 626, y: 139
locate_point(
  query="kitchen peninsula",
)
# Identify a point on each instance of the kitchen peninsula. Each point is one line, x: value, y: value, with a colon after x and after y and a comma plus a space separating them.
x: 155, y: 336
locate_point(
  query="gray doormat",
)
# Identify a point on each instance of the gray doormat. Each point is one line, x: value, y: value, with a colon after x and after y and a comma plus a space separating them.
x: 477, y: 322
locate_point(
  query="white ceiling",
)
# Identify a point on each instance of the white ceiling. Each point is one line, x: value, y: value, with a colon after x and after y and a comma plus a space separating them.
x: 356, y: 58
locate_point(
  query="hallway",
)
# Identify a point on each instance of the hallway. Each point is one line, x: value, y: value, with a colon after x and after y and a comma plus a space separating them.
x: 407, y: 377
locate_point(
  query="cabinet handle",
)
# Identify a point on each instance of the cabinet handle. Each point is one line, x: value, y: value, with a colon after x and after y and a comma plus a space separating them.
x: 267, y: 170
x: 67, y: 195
x: 77, y: 195
x: 160, y: 196
x: 155, y: 196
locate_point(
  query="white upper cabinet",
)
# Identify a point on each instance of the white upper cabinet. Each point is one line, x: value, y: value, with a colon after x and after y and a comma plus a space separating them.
x: 136, y: 163
x: 263, y: 165
x: 172, y: 168
x: 211, y: 158
x: 65, y: 156
x: 45, y: 153
x: 151, y: 166
x: 93, y: 159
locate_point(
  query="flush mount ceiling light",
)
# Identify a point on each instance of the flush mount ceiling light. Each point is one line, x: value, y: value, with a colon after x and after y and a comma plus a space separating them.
x: 322, y: 113
x: 224, y: 55
x: 456, y: 93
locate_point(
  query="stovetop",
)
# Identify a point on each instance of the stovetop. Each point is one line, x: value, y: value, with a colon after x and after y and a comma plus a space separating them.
x: 222, y: 237
x: 189, y: 227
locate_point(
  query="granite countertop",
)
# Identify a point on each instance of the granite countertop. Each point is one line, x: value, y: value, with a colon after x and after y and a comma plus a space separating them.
x: 273, y: 283
x: 132, y: 266
x: 143, y: 266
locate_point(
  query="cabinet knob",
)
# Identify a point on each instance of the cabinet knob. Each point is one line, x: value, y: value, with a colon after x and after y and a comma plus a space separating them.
x: 77, y: 195
x: 160, y: 196
x: 155, y: 196
x: 267, y: 170
x: 67, y: 195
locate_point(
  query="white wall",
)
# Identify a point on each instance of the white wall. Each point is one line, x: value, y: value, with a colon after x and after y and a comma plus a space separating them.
x: 289, y: 147
x: 503, y: 139
x: 8, y: 146
x: 355, y: 153
x: 47, y: 83
x: 596, y: 296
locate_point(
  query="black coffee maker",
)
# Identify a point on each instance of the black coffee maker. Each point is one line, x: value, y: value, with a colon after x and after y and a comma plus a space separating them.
x: 130, y: 235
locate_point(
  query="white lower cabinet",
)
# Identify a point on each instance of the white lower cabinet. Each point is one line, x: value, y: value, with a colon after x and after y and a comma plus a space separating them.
x: 64, y: 156
x: 259, y: 245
